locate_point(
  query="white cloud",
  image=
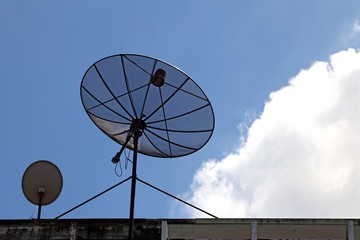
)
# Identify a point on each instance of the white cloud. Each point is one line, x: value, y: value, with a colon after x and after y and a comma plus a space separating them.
x: 356, y: 27
x: 301, y: 157
x: 353, y: 38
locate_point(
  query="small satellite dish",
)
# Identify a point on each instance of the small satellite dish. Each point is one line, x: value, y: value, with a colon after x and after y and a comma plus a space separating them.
x: 42, y: 183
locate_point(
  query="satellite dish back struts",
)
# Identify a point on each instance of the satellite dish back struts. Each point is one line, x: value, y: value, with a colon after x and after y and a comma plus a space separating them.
x: 42, y: 183
x: 154, y: 104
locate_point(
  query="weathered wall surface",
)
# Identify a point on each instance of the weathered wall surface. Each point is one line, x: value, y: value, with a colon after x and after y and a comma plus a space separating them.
x: 182, y: 229
x: 254, y: 229
x: 71, y: 229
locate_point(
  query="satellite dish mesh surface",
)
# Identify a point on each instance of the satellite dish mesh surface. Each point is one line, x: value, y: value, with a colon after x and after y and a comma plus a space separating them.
x: 173, y: 113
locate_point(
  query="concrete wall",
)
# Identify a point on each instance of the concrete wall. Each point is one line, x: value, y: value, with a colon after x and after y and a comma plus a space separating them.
x: 182, y: 229
x: 237, y: 229
x: 71, y: 229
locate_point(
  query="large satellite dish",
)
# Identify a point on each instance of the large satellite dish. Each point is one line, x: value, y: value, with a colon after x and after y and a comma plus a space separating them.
x: 42, y: 183
x: 174, y: 115
x: 154, y: 104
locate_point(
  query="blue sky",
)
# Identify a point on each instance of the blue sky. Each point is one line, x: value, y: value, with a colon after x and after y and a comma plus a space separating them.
x: 237, y: 51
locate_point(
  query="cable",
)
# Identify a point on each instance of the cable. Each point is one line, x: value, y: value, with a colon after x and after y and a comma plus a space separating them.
x: 127, y: 158
x: 121, y: 171
x: 118, y: 166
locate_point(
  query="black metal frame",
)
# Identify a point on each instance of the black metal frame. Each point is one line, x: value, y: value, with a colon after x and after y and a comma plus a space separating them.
x: 138, y: 125
x: 135, y: 133
x: 134, y: 178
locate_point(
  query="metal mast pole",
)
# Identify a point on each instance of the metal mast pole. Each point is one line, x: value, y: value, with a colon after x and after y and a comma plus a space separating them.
x: 41, y: 193
x: 137, y: 134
